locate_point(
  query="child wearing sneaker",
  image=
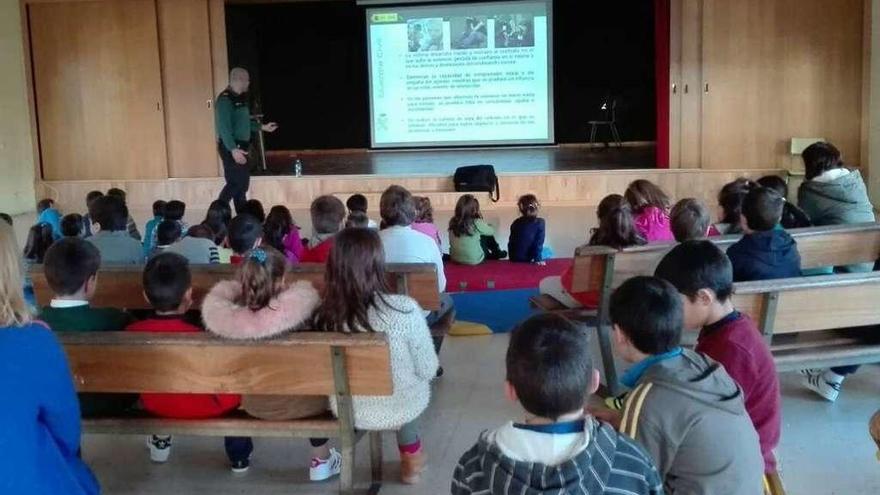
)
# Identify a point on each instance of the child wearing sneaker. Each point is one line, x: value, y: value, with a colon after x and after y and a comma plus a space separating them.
x: 356, y: 298
x: 573, y: 452
x: 703, y: 275
x: 167, y: 286
x: 259, y: 305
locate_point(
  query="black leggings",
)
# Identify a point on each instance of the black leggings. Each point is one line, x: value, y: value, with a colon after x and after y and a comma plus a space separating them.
x: 318, y: 442
x: 491, y: 248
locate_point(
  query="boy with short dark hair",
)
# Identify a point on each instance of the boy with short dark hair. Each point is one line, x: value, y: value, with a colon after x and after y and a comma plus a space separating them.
x: 130, y: 224
x: 684, y: 408
x: 71, y: 225
x: 245, y: 233
x: 47, y: 213
x: 71, y: 269
x: 113, y: 240
x: 328, y: 213
x: 766, y: 251
x: 357, y: 203
x: 703, y: 276
x: 87, y: 218
x: 254, y: 208
x: 167, y: 233
x: 792, y: 216
x: 167, y: 286
x: 150, y: 227
x: 689, y: 219
x: 550, y: 373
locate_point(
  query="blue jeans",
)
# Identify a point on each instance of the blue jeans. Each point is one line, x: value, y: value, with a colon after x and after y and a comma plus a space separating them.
x: 845, y: 370
x: 238, y: 448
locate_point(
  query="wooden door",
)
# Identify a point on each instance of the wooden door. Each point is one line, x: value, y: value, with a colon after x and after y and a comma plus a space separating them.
x: 98, y: 89
x: 778, y: 69
x: 185, y: 38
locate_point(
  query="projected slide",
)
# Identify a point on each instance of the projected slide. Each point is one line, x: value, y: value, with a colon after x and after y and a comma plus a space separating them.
x: 470, y: 74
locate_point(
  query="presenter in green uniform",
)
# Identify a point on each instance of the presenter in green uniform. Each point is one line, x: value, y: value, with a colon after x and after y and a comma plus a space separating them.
x: 235, y: 129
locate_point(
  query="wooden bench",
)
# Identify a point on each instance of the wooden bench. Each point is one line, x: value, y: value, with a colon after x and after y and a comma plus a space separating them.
x: 122, y: 286
x: 602, y: 269
x: 299, y: 364
x: 799, y: 318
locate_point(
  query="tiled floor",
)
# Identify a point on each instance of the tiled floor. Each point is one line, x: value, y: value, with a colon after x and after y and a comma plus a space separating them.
x: 825, y: 448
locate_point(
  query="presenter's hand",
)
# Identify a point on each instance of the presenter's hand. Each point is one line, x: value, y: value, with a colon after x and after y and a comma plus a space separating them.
x: 240, y: 156
x: 270, y: 127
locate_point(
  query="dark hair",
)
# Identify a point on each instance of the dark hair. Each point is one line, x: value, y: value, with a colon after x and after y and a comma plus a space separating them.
x: 69, y: 263
x: 776, y: 183
x: 617, y: 228
x: 397, y: 207
x: 117, y: 193
x: 276, y: 227
x: 38, y: 241
x: 467, y: 211
x: 357, y: 202
x: 730, y: 200
x: 549, y: 364
x: 72, y: 225
x: 159, y: 208
x: 91, y: 196
x: 254, y: 208
x: 689, y: 219
x: 244, y: 230
x: 762, y: 209
x: 649, y: 311
x: 327, y: 214
x: 424, y: 210
x: 641, y: 194
x: 166, y: 280
x: 528, y: 205
x: 260, y: 279
x: 357, y: 219
x: 354, y: 282
x: 45, y: 204
x: 218, y: 217
x: 6, y: 218
x: 174, y: 210
x: 168, y: 232
x: 110, y: 213
x: 820, y: 158
x: 695, y: 265
x: 201, y: 231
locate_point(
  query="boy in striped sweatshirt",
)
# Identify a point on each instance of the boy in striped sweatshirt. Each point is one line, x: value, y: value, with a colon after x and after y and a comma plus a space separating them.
x: 684, y: 408
x: 556, y: 447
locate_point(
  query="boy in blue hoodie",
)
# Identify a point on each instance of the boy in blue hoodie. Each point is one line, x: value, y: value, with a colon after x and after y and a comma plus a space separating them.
x: 49, y: 214
x: 557, y: 447
x: 766, y: 251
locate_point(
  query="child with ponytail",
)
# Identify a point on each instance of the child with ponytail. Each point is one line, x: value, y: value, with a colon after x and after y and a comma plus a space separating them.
x: 258, y: 304
x: 617, y: 229
x: 527, y: 232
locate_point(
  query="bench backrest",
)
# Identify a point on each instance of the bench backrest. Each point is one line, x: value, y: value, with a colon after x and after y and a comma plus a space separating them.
x: 597, y: 267
x: 122, y: 286
x: 302, y: 363
x: 808, y: 304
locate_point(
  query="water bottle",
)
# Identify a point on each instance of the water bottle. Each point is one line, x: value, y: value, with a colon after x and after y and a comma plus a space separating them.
x: 298, y: 167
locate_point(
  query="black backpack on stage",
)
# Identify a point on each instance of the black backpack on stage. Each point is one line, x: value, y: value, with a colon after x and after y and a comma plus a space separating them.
x: 477, y: 178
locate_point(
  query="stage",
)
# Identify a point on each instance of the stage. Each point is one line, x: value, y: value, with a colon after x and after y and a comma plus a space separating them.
x: 443, y: 162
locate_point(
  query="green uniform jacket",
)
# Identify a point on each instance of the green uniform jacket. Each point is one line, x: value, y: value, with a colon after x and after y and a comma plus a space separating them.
x: 232, y: 118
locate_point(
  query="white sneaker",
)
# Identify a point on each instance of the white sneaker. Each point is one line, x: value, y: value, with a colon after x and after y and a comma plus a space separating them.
x: 160, y: 448
x: 825, y: 383
x: 320, y: 470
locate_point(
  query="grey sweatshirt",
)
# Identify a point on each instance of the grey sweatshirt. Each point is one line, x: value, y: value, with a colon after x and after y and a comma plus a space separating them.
x: 689, y: 415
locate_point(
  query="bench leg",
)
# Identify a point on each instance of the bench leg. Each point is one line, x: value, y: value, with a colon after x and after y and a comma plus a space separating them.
x: 346, y: 474
x: 376, y: 460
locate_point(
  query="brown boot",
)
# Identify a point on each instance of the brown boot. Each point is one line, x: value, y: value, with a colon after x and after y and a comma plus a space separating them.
x: 412, y: 466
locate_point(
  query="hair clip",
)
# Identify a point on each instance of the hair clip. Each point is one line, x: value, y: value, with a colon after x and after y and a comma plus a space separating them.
x: 259, y: 255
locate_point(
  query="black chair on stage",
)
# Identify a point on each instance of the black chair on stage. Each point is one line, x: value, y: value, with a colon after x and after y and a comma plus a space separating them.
x: 610, y: 112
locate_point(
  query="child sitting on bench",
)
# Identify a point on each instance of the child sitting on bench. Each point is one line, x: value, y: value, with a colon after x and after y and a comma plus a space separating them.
x: 650, y: 207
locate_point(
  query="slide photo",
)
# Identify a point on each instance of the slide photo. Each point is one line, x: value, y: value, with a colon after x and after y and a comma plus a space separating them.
x: 425, y: 35
x: 469, y: 33
x: 514, y: 31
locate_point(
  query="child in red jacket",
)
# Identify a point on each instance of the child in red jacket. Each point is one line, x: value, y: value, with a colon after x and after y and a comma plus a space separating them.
x: 703, y: 274
x: 167, y: 282
x: 328, y: 215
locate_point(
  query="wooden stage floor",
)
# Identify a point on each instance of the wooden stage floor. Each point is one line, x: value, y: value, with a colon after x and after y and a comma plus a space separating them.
x: 443, y: 162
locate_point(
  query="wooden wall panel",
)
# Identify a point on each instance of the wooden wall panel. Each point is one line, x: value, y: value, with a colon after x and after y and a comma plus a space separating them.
x: 187, y: 80
x: 778, y: 69
x: 98, y: 89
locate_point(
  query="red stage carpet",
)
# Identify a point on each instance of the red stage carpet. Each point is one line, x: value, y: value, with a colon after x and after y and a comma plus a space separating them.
x: 500, y: 275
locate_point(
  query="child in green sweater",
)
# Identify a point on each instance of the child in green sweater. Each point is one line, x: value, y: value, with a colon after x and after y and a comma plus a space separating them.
x: 71, y: 268
x: 471, y: 239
